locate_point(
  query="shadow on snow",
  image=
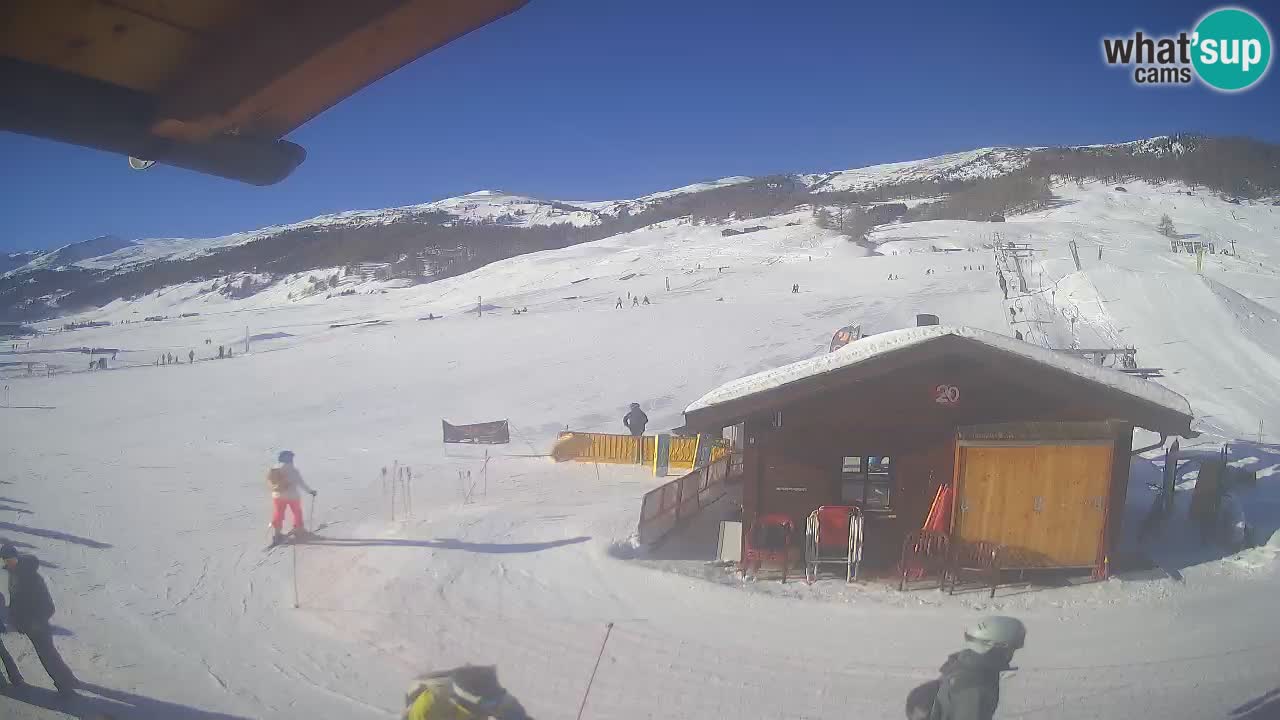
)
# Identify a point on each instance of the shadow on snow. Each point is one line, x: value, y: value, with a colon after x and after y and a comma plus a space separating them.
x: 450, y: 544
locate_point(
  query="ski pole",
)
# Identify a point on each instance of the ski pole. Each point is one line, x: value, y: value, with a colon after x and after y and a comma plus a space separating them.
x: 295, y: 576
x: 583, y: 706
x: 315, y: 523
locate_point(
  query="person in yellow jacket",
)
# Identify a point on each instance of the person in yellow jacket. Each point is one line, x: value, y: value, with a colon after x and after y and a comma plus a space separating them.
x: 464, y: 693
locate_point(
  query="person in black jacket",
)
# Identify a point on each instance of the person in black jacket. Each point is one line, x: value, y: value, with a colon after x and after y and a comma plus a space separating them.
x: 30, y: 609
x: 635, y: 419
x: 969, y: 684
x: 10, y: 667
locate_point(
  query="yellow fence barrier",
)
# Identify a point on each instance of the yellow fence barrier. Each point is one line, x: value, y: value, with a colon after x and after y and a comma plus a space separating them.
x: 628, y: 449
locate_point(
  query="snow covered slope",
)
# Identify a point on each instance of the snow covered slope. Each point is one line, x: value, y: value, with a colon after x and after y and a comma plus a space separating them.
x: 75, y: 252
x: 143, y: 485
x: 481, y: 206
x: 522, y: 211
x: 970, y: 165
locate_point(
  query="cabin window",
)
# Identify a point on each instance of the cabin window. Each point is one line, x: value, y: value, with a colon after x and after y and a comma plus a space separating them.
x: 866, y: 481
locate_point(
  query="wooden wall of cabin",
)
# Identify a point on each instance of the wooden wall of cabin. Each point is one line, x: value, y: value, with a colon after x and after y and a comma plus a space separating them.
x: 1122, y: 458
x: 793, y: 470
x: 901, y: 414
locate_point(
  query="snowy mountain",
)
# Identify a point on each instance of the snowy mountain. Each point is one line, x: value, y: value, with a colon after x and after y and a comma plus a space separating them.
x: 142, y: 485
x: 12, y: 261
x: 439, y: 239
x: 101, y: 246
x: 972, y: 165
x: 484, y: 206
x: 494, y: 206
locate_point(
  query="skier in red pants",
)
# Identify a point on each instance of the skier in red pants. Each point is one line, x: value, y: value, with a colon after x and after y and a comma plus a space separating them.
x: 286, y: 483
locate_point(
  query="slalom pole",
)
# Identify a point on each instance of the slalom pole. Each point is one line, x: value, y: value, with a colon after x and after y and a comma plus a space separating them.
x: 583, y: 706
x: 294, y: 548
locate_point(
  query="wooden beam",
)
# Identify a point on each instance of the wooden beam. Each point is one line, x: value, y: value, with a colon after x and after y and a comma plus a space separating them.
x: 294, y: 60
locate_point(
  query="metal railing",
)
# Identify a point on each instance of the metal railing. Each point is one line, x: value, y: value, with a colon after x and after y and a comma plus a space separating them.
x: 665, y: 507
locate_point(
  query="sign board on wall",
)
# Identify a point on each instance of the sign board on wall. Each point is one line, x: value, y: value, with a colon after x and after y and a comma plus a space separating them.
x: 945, y: 394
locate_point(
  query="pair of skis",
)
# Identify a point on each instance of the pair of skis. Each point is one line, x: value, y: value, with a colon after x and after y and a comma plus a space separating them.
x: 295, y: 537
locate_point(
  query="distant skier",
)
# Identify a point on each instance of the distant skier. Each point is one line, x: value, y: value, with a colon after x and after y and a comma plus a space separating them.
x: 969, y: 686
x: 285, y: 482
x: 646, y: 300
x: 191, y: 357
x: 30, y: 609
x: 619, y: 305
x: 221, y: 352
x: 635, y: 420
x: 470, y: 691
x: 635, y: 301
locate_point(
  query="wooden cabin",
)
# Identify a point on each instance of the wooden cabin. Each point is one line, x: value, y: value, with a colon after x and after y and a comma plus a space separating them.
x: 1036, y: 443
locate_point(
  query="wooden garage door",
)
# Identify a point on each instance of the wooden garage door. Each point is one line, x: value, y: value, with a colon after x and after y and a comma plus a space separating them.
x: 1045, y: 504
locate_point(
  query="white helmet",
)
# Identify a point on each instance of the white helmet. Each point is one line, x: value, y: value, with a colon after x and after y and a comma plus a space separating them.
x: 995, y: 631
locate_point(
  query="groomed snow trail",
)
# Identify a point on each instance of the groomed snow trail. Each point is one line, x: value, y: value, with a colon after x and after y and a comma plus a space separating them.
x: 144, y: 488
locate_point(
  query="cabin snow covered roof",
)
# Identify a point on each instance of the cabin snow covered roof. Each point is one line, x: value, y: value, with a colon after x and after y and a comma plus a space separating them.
x: 1162, y: 400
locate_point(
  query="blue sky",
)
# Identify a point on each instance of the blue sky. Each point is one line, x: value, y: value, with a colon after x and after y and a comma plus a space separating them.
x: 581, y: 100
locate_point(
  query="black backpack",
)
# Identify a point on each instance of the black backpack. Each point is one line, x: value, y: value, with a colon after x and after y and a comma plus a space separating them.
x: 920, y: 700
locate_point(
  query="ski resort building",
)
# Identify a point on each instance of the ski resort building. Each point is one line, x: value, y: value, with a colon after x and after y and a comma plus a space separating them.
x: 1034, y: 445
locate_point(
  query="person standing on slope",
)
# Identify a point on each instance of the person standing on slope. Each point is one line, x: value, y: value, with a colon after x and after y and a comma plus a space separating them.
x: 30, y: 609
x: 635, y: 420
x: 286, y: 484
x: 969, y: 686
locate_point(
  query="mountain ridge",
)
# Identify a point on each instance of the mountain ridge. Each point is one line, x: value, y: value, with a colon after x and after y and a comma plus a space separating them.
x: 442, y: 238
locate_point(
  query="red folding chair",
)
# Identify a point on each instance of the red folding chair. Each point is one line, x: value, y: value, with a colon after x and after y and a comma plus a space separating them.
x: 833, y: 536
x: 768, y: 540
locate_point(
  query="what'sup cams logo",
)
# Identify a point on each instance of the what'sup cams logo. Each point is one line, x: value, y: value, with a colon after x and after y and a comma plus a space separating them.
x: 1229, y: 50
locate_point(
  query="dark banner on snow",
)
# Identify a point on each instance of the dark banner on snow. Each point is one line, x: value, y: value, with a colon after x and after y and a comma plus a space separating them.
x: 490, y: 433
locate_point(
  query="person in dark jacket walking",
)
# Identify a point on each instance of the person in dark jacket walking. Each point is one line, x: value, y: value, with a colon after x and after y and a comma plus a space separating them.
x: 635, y: 419
x: 969, y: 686
x: 10, y: 667
x: 30, y: 609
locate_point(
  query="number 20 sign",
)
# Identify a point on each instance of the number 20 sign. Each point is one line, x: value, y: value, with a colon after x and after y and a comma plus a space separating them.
x: 946, y: 395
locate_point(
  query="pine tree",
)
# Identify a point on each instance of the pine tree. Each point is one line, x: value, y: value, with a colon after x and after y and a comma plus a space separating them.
x: 822, y: 217
x: 1166, y: 226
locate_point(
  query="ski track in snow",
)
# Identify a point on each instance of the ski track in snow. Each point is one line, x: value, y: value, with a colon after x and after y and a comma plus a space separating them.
x: 145, y: 485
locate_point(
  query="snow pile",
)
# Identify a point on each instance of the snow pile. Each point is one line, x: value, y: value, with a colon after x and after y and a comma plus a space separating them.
x: 896, y: 340
x: 1259, y: 557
